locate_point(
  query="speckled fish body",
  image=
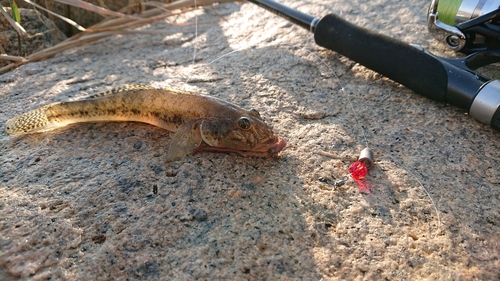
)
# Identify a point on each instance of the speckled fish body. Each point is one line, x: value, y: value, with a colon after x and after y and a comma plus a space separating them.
x: 200, y: 123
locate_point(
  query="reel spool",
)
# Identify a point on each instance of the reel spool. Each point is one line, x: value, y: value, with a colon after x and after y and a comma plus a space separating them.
x: 467, y: 26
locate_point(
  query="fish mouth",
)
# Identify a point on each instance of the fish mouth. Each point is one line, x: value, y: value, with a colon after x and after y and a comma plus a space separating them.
x: 267, y: 149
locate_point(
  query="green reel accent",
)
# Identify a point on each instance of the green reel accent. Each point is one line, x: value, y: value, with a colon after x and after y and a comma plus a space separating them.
x: 447, y: 11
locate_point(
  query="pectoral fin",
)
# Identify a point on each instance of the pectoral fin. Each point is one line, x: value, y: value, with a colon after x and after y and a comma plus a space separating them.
x: 184, y: 140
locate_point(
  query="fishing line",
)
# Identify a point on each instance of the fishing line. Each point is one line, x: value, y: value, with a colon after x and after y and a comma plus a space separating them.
x: 426, y: 192
x: 217, y: 59
x: 342, y: 181
x: 329, y: 68
x: 342, y: 89
x: 359, y: 169
x: 447, y: 10
x: 195, y: 32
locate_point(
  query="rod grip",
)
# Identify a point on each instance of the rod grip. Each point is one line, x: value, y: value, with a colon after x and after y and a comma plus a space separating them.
x: 399, y: 61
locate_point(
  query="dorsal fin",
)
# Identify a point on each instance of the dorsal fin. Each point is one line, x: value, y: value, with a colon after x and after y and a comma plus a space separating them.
x: 122, y: 88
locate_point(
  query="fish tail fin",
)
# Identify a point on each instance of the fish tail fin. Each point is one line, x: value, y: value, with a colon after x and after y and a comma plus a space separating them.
x: 36, y: 120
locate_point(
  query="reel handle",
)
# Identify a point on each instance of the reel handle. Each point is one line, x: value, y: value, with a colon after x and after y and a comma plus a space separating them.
x: 428, y: 75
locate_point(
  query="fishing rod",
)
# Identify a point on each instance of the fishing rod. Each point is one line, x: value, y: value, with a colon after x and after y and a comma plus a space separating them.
x: 452, y: 81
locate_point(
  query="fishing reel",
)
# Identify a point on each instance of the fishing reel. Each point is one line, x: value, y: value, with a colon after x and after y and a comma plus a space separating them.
x: 467, y: 26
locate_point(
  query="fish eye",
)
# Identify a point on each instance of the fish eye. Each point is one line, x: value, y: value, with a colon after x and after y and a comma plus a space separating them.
x: 255, y: 112
x: 244, y: 123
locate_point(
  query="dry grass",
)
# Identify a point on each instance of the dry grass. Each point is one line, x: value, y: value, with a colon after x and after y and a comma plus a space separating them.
x: 117, y: 22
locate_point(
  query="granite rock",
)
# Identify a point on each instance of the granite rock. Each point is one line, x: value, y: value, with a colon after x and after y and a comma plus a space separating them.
x: 97, y: 201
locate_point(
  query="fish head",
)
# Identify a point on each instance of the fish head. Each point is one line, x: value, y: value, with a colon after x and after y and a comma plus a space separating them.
x: 246, y: 134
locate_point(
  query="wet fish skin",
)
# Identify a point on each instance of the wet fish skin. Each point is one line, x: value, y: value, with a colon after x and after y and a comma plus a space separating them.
x: 200, y: 123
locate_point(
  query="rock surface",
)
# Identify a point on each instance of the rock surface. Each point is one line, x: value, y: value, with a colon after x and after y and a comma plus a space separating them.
x: 97, y: 201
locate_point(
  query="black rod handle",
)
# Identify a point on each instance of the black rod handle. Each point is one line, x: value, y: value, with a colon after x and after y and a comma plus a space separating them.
x: 413, y: 67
